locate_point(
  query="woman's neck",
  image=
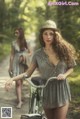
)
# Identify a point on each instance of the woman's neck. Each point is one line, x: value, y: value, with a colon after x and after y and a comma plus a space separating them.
x: 48, y: 48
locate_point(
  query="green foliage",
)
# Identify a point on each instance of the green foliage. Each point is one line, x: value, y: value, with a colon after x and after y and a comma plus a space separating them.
x: 4, y: 50
x: 74, y: 81
x: 68, y: 18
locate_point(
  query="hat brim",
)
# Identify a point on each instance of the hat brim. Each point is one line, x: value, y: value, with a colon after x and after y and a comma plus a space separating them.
x: 43, y: 28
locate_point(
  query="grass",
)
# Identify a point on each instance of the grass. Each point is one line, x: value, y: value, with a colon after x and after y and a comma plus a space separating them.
x: 4, y: 50
x: 74, y: 80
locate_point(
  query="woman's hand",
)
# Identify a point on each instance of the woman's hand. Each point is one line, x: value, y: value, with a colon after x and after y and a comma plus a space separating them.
x: 10, y: 69
x: 8, y: 84
x: 61, y: 77
x: 22, y: 59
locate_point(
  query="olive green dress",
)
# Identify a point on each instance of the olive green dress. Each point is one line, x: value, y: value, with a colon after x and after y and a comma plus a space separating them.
x: 57, y: 92
x: 17, y: 67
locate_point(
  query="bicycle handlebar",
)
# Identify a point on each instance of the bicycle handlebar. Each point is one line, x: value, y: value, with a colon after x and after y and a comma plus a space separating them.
x: 41, y: 85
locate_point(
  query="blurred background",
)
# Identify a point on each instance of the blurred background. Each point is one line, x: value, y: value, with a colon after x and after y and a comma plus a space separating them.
x: 30, y: 14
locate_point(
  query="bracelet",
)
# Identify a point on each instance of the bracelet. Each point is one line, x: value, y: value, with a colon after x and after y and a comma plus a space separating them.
x: 25, y: 76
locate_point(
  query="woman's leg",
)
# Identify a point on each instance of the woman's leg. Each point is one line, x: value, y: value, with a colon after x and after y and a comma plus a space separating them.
x: 49, y: 113
x: 19, y: 92
x: 61, y: 112
x: 57, y: 113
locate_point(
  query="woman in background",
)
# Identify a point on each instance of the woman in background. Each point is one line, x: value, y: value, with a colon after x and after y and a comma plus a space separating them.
x: 18, y: 60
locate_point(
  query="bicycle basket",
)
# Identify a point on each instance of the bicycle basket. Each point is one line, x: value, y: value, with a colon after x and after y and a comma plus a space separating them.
x: 31, y: 116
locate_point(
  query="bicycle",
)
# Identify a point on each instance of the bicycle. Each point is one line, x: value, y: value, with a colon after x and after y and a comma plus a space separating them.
x: 35, y: 109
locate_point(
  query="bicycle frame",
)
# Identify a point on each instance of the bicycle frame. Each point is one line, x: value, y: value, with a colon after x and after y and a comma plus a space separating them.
x: 35, y: 100
x: 42, y: 85
x: 34, y: 107
x: 39, y: 84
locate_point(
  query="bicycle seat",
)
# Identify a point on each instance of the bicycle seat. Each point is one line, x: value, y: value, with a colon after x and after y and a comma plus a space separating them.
x: 38, y: 81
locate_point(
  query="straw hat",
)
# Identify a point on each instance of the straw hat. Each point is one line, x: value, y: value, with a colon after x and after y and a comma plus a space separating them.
x: 49, y: 24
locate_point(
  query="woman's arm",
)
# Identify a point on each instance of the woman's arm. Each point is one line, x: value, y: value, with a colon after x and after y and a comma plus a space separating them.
x: 66, y: 74
x: 11, y: 59
x: 69, y: 71
x: 21, y: 76
x: 29, y: 71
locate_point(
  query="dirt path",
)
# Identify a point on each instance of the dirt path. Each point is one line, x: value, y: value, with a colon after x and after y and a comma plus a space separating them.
x: 4, y: 67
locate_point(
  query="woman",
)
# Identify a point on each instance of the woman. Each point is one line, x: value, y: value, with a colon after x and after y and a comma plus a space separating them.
x: 55, y: 58
x: 18, y: 61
